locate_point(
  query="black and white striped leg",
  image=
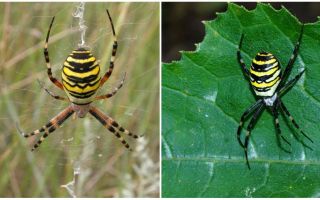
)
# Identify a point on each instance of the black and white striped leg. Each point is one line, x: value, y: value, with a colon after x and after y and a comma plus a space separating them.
x: 240, y: 59
x: 55, y: 81
x: 291, y: 83
x: 293, y: 57
x: 114, y: 52
x: 244, y: 116
x: 283, y: 107
x: 249, y: 129
x: 275, y: 114
x: 52, y: 94
x: 111, y: 125
x: 113, y: 92
x: 52, y: 125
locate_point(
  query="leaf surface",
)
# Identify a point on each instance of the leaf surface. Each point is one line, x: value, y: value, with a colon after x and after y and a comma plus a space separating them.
x: 205, y: 93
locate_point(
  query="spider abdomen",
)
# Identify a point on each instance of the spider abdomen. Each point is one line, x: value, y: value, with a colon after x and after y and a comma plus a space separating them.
x: 81, y: 76
x: 265, y: 74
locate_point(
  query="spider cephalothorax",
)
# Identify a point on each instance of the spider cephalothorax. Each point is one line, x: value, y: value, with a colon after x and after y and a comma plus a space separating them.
x: 80, y: 80
x: 268, y: 84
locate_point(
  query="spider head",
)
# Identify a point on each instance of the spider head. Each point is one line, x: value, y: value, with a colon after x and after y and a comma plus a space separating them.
x: 81, y: 110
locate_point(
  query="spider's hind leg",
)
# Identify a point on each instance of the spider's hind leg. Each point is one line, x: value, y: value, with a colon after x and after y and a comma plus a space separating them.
x: 283, y: 107
x: 51, y: 126
x: 275, y: 114
x: 112, y: 126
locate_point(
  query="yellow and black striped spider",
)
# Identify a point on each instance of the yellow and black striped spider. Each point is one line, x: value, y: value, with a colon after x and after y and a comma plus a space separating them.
x: 80, y: 80
x: 268, y: 84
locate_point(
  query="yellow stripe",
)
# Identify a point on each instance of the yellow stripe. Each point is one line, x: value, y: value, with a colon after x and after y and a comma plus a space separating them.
x: 80, y: 51
x: 264, y: 62
x: 263, y: 84
x: 68, y: 72
x: 81, y: 61
x: 80, y: 90
x: 65, y: 78
x: 271, y: 71
x: 67, y: 64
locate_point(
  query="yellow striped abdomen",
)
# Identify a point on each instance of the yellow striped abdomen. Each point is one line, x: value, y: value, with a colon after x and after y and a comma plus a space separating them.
x: 81, y: 76
x: 265, y: 74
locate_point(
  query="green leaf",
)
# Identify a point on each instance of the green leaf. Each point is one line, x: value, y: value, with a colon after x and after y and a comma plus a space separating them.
x: 205, y: 93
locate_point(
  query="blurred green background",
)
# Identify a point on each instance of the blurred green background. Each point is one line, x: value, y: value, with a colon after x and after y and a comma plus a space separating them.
x: 103, y: 167
x: 182, y: 27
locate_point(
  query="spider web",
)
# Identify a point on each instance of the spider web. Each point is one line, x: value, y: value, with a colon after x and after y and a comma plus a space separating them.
x: 82, y: 156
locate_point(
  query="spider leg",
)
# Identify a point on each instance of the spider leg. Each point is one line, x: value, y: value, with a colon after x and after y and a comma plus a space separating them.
x: 249, y: 129
x: 52, y: 125
x: 113, y: 56
x: 275, y: 114
x: 244, y: 116
x: 240, y: 59
x: 55, y: 81
x: 283, y: 107
x: 111, y: 125
x: 108, y: 95
x: 292, y: 59
x: 51, y: 93
x: 290, y: 83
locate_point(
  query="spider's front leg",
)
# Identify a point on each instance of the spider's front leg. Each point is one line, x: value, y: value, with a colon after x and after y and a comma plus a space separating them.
x: 293, y: 57
x: 291, y: 83
x: 240, y: 59
x: 51, y: 126
x: 55, y: 81
x: 113, y: 56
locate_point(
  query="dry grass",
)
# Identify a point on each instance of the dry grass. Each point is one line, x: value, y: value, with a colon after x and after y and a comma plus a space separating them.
x: 80, y: 144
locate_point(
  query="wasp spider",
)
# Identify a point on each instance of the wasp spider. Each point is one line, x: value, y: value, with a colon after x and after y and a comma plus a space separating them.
x: 80, y: 80
x: 269, y: 84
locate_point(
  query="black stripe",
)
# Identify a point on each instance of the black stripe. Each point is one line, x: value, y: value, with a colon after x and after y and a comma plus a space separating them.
x: 81, y: 65
x: 82, y: 87
x: 81, y: 95
x: 265, y: 89
x: 115, y: 124
x: 82, y: 103
x: 110, y: 128
x: 262, y: 68
x: 48, y: 125
x: 264, y: 58
x: 263, y: 78
x: 98, y: 117
x: 82, y: 80
x: 66, y: 117
x: 81, y: 69
x: 80, y: 56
